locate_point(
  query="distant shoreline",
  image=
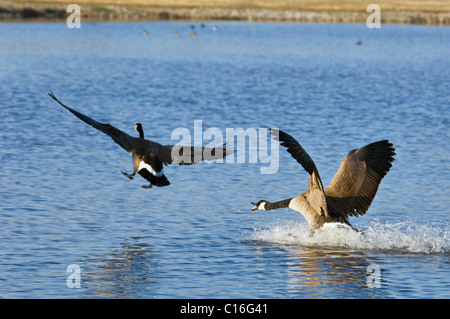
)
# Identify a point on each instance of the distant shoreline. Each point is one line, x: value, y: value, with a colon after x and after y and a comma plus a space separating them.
x: 30, y: 11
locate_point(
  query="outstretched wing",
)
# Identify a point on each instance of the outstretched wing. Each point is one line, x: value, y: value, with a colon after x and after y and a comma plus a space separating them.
x: 121, y: 138
x: 353, y: 188
x: 314, y: 194
x: 188, y: 155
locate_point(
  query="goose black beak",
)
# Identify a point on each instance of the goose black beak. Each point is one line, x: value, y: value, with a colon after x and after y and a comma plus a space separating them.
x: 255, y: 207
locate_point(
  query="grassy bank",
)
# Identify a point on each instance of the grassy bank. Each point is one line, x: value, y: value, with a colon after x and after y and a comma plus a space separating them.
x: 333, y: 11
x: 435, y: 6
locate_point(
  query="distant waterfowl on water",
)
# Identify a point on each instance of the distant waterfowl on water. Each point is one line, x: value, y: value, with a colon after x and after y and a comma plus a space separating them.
x: 350, y: 192
x: 149, y: 157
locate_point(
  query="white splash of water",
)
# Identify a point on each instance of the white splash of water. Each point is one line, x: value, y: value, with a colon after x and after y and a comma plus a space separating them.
x: 403, y: 237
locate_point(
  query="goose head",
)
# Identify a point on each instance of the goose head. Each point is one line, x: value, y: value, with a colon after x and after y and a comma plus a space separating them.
x: 261, y: 205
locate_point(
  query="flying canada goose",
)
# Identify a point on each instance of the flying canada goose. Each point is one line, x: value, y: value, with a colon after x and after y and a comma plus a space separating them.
x: 350, y: 192
x: 148, y: 156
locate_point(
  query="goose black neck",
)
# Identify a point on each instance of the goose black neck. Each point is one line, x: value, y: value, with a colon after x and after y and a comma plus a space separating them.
x: 141, y: 132
x: 281, y: 204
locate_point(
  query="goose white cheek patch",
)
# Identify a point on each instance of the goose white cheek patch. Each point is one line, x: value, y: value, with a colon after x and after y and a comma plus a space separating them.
x: 143, y: 165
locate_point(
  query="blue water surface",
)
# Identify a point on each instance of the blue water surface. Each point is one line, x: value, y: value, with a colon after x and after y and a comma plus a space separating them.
x: 64, y: 201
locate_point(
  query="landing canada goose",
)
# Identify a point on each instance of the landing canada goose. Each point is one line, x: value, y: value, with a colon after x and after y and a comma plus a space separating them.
x: 350, y: 192
x: 148, y: 156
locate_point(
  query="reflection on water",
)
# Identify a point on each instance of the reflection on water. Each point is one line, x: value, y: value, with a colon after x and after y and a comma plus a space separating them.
x: 334, y: 261
x: 129, y: 271
x: 322, y: 271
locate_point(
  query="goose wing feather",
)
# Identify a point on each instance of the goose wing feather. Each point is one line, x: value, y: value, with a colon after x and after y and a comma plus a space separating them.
x: 315, y: 193
x: 188, y: 155
x: 295, y: 149
x: 353, y: 188
x: 183, y: 155
x: 123, y: 139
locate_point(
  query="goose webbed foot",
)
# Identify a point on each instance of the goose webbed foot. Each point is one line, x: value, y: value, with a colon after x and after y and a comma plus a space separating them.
x: 147, y: 186
x: 130, y: 176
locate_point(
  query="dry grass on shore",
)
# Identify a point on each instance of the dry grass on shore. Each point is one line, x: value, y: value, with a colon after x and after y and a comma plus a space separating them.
x: 435, y: 6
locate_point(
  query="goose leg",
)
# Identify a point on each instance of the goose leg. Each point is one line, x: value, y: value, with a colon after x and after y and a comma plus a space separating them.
x: 130, y: 176
x: 147, y: 186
